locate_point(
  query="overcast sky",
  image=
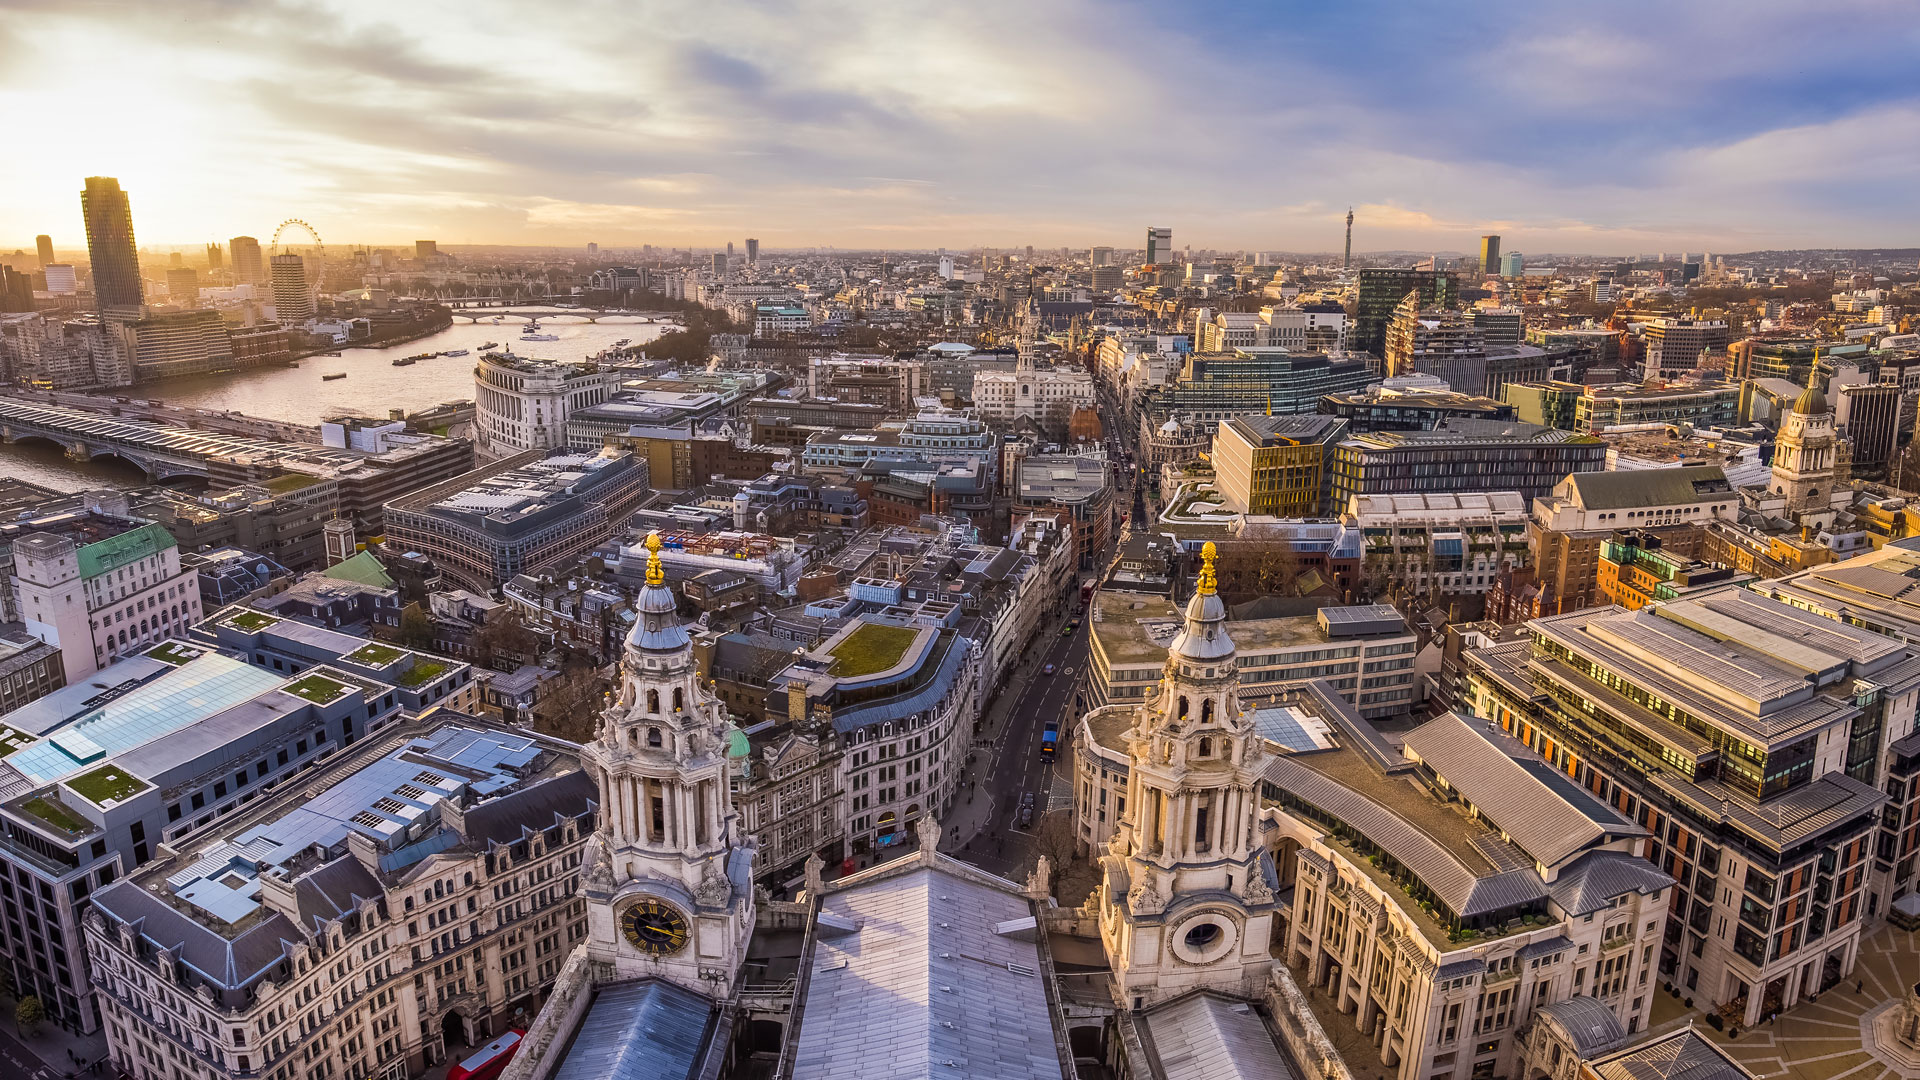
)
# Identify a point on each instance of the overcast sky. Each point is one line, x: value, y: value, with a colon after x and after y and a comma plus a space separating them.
x: 1604, y: 128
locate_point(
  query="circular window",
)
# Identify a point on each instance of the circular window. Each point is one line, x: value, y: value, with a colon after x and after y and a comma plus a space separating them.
x: 1205, y: 939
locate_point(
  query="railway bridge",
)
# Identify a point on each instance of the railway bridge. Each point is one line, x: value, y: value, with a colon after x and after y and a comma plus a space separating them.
x: 162, y: 451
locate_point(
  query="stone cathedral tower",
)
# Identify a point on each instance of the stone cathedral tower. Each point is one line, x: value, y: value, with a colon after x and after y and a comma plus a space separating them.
x: 1187, y: 899
x: 1804, y: 465
x: 668, y: 875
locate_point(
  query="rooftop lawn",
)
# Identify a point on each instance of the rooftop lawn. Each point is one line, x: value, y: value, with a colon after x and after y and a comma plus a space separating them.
x: 51, y: 812
x: 376, y: 654
x: 106, y: 783
x: 422, y: 672
x: 872, y: 648
x: 318, y: 689
x: 251, y: 620
x: 286, y: 482
x: 174, y: 653
x: 12, y: 738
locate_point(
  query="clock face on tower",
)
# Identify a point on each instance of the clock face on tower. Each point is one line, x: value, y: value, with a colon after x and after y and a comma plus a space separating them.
x: 654, y: 926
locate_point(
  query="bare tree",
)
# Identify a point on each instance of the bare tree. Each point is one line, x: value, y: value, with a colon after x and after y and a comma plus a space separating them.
x: 569, y: 704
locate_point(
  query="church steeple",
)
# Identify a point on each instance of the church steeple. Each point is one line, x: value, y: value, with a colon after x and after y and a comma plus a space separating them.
x: 668, y: 869
x: 1805, y: 455
x: 1196, y: 907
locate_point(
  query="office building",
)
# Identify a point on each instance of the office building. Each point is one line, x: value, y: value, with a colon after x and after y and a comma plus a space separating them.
x: 753, y: 251
x: 1275, y: 466
x: 168, y: 343
x: 523, y: 404
x: 1462, y: 455
x: 248, y: 267
x: 1596, y: 408
x: 1410, y: 405
x: 519, y: 515
x: 292, y: 293
x: 1490, y: 255
x: 282, y: 519
x: 1568, y: 525
x: 1676, y: 346
x: 1513, y: 264
x: 61, y: 279
x: 183, y: 285
x: 418, y: 865
x: 1435, y: 341
x: 117, y: 288
x: 1499, y: 327
x: 98, y: 585
x: 1636, y: 570
x: 1365, y: 651
x: 1047, y: 396
x: 105, y: 782
x: 719, y: 264
x: 1382, y: 289
x: 1869, y: 418
x: 43, y: 245
x: 1731, y: 727
x: 1212, y: 387
x: 1439, y: 546
x: 426, y: 249
x: 1159, y: 246
x: 30, y: 669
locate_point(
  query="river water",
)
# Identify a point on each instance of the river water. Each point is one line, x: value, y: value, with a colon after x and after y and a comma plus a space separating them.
x: 372, y: 386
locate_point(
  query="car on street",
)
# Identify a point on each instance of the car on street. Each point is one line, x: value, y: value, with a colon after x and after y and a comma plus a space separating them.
x: 1026, y: 810
x: 1048, y: 670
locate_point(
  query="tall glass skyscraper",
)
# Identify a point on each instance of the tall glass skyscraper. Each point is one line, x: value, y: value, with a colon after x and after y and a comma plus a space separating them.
x: 116, y: 263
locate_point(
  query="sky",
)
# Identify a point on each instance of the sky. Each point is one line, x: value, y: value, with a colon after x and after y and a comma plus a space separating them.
x: 1614, y: 128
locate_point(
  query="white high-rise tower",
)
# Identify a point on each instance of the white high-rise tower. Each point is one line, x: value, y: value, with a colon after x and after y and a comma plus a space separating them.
x: 1195, y: 902
x: 668, y: 876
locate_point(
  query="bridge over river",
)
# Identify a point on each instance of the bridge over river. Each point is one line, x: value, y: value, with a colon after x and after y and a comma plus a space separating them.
x: 162, y: 451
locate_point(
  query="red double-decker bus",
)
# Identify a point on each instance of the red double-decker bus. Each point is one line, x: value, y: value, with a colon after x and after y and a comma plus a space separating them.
x: 488, y: 1062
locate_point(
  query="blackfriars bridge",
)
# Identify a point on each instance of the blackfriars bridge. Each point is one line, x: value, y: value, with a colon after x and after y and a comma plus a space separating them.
x: 162, y: 451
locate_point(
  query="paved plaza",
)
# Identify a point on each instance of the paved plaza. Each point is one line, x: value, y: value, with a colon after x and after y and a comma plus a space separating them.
x: 1831, y: 1038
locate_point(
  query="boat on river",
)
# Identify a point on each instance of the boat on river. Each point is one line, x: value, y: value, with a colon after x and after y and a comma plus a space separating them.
x: 335, y: 375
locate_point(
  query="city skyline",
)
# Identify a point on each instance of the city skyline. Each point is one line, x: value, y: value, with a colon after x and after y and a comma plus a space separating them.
x: 1238, y: 127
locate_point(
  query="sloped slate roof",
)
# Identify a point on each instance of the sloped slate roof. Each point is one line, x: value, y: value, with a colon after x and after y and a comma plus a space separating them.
x: 1596, y: 878
x: 1589, y: 1023
x: 1205, y: 1037
x: 1649, y: 487
x: 1454, y: 882
x: 645, y: 1030
x: 1544, y: 811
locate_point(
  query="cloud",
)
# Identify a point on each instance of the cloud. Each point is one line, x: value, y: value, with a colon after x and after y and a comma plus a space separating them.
x: 1633, y: 127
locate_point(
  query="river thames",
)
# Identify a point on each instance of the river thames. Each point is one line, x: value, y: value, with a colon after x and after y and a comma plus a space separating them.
x: 372, y: 386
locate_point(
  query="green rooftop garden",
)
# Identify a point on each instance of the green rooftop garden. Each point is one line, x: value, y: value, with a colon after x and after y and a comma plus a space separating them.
x: 108, y: 783
x: 287, y: 482
x: 50, y: 811
x: 174, y: 653
x: 872, y: 648
x: 421, y: 673
x: 318, y: 689
x: 251, y: 620
x: 376, y: 654
x: 12, y: 738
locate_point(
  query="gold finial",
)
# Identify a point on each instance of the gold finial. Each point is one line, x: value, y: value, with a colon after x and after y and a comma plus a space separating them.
x: 1207, y: 585
x: 656, y: 574
x: 1815, y: 373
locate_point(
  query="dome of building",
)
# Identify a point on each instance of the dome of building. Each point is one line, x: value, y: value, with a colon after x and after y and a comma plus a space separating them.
x: 659, y: 628
x: 1204, y: 637
x: 1811, y: 402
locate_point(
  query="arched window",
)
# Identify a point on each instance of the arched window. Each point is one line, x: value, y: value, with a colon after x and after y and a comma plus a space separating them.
x: 1206, y: 711
x: 653, y: 701
x: 1206, y: 747
x: 679, y: 699
x: 653, y: 737
x: 1181, y: 712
